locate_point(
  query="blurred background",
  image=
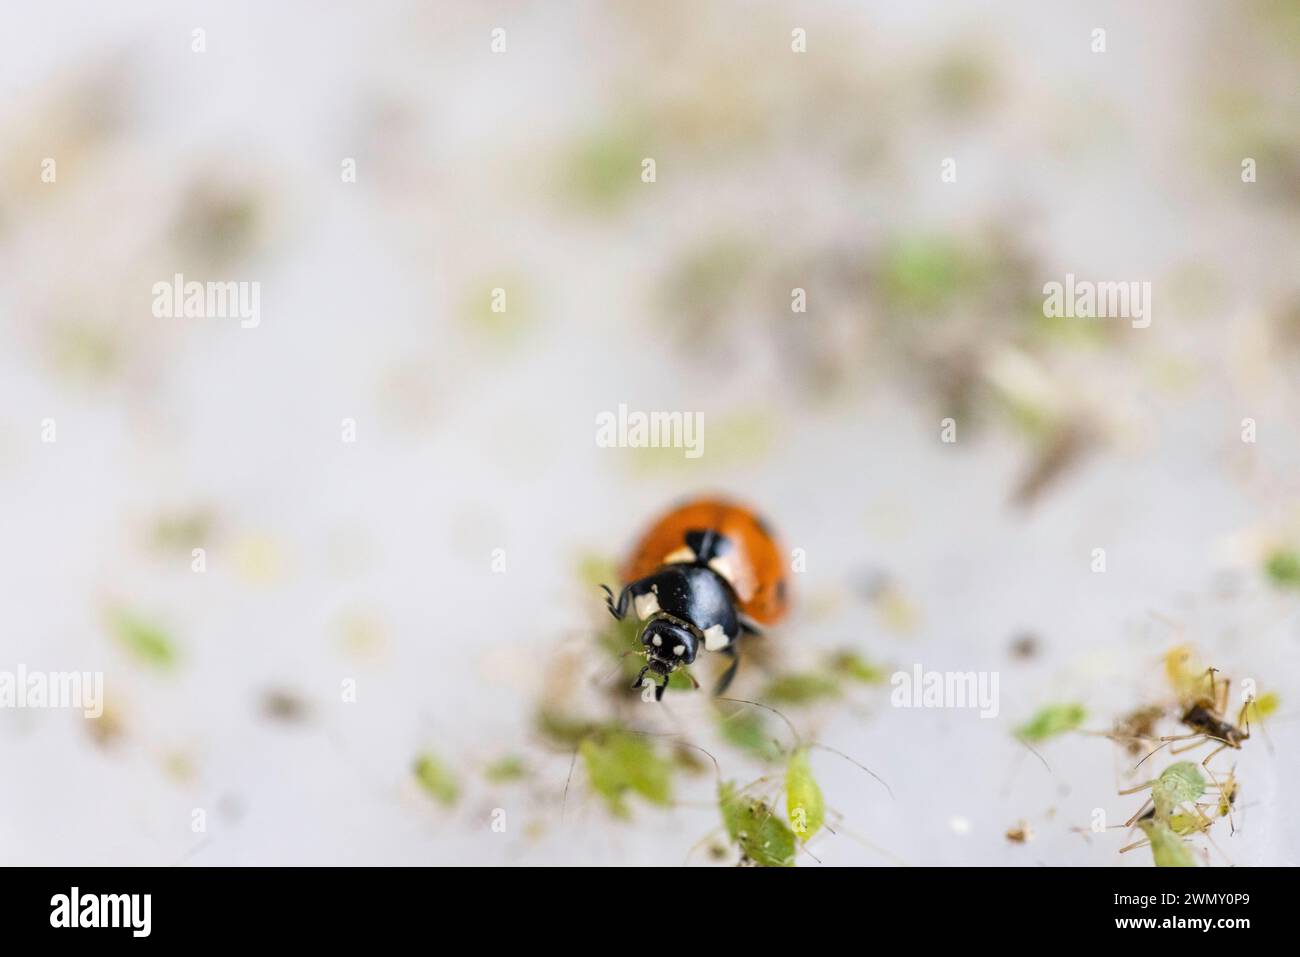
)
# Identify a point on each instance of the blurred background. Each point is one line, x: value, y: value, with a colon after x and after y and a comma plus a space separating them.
x: 404, y: 512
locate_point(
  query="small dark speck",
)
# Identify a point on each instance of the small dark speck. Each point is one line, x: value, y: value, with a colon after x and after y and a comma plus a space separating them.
x: 281, y: 705
x: 1025, y: 646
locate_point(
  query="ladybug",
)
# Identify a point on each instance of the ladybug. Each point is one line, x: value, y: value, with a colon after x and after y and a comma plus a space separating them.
x: 703, y: 575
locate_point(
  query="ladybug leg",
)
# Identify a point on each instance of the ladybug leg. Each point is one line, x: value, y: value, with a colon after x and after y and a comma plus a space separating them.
x: 725, y: 681
x: 619, y: 609
x: 640, y: 677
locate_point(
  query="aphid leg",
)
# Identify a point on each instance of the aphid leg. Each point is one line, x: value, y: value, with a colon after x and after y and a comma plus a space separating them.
x: 1221, y: 702
x: 1190, y: 747
x: 1214, y: 696
x: 725, y: 681
x: 1135, y: 789
x: 1158, y: 747
x: 1129, y: 847
x: 1206, y: 763
x: 619, y: 610
x: 1140, y: 811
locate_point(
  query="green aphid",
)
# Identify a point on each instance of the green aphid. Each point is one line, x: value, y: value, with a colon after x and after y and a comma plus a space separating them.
x: 1184, y: 823
x: 1052, y: 720
x: 619, y: 763
x: 1178, y: 784
x: 507, y: 769
x: 435, y: 780
x: 1283, y: 568
x: 748, y: 731
x: 679, y: 680
x: 801, y: 688
x: 849, y: 664
x: 144, y: 640
x: 763, y: 837
x: 804, y: 804
x: 1167, y: 848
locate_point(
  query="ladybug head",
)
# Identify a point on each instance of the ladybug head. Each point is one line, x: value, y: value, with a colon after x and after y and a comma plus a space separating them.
x: 668, y: 645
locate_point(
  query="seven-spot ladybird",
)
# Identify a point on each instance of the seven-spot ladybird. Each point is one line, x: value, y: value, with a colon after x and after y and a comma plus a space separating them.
x: 704, y: 574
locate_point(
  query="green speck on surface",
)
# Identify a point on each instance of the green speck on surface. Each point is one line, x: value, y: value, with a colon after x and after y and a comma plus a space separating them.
x: 926, y: 274
x: 87, y: 350
x: 435, y: 780
x: 735, y: 440
x: 504, y: 320
x: 595, y: 570
x: 619, y: 764
x: 602, y: 168
x: 801, y: 688
x: 1283, y: 568
x: 747, y: 730
x: 804, y: 803
x: 506, y: 769
x: 144, y: 640
x: 850, y: 664
x: 762, y: 836
x: 563, y: 729
x: 619, y: 637
x: 1051, y: 721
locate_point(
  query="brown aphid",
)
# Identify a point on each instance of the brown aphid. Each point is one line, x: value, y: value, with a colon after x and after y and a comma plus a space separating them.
x: 1203, y: 714
x: 1020, y: 833
x: 1137, y: 727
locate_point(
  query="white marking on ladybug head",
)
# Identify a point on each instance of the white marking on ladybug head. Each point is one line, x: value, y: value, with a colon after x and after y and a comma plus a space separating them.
x: 684, y: 554
x: 646, y: 605
x: 656, y: 640
x: 715, y: 639
x: 679, y: 649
